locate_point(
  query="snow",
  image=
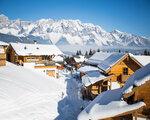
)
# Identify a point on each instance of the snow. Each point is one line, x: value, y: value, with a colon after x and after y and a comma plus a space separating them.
x: 58, y: 58
x: 87, y: 68
x: 115, y: 85
x: 75, y: 32
x: 28, y: 94
x: 80, y: 59
x: 92, y: 77
x: 3, y: 43
x: 110, y: 103
x: 103, y: 99
x: 140, y: 77
x: 98, y: 57
x: 142, y: 59
x: 35, y: 49
x: 110, y: 61
x: 114, y: 108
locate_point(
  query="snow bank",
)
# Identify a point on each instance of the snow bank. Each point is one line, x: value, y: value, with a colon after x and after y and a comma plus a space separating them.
x: 25, y: 94
x: 115, y: 107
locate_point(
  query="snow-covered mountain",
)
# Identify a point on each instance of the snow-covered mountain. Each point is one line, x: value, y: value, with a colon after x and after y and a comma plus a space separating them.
x: 72, y: 32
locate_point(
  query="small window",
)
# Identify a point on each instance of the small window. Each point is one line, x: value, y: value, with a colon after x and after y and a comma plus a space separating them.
x: 125, y: 71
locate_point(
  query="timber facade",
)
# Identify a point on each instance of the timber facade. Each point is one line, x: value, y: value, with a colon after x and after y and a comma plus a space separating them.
x: 3, y: 55
x: 118, y: 73
x: 13, y: 57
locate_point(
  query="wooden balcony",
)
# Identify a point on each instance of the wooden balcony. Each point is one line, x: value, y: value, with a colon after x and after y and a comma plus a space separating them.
x: 45, y: 62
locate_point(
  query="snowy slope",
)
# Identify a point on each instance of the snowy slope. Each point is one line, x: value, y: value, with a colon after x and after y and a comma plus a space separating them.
x: 73, y: 32
x: 27, y: 95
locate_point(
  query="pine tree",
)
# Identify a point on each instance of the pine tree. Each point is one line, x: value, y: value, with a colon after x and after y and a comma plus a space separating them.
x: 98, y: 50
x: 77, y: 53
x: 86, y: 54
x: 145, y: 52
x: 90, y: 53
x: 80, y: 52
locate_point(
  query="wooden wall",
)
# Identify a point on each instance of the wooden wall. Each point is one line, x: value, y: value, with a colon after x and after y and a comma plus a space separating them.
x: 93, y: 90
x: 2, y: 56
x: 143, y: 94
x: 117, y: 70
x: 14, y: 58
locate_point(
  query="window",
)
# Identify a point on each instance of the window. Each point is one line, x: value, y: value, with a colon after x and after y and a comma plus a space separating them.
x: 125, y: 71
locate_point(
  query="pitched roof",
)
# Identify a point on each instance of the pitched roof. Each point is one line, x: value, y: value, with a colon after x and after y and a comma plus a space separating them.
x: 137, y: 79
x: 110, y: 61
x: 35, y: 49
x: 97, y: 58
x: 87, y: 68
x: 110, y: 103
x: 92, y: 77
x: 142, y: 59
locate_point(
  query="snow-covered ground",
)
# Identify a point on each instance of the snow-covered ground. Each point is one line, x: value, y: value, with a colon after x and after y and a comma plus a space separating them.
x: 29, y: 95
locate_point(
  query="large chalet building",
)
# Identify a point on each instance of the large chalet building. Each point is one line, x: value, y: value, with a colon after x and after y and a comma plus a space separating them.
x: 37, y: 56
x: 111, y: 73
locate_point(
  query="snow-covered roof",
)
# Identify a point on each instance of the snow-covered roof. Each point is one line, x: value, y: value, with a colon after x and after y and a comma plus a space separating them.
x: 80, y: 59
x: 27, y: 92
x: 58, y: 58
x: 110, y: 103
x: 138, y: 78
x: 142, y: 59
x: 35, y: 49
x: 3, y: 43
x: 97, y: 58
x: 92, y: 77
x: 87, y: 68
x: 110, y: 61
x: 112, y: 109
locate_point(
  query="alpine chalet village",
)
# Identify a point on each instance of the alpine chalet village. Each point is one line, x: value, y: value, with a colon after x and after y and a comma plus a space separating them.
x: 74, y: 59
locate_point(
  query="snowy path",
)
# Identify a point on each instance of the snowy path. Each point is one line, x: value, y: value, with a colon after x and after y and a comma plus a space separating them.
x: 70, y: 106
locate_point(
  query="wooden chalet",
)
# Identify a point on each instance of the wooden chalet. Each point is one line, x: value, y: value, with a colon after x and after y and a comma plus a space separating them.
x: 37, y: 56
x: 3, y: 47
x: 120, y: 66
x: 131, y: 102
x: 20, y: 53
x: 116, y: 69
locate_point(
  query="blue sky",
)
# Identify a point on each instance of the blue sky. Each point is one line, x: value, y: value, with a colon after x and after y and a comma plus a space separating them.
x: 132, y: 16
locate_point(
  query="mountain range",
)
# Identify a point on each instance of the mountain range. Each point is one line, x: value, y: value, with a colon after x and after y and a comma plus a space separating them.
x: 65, y: 32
